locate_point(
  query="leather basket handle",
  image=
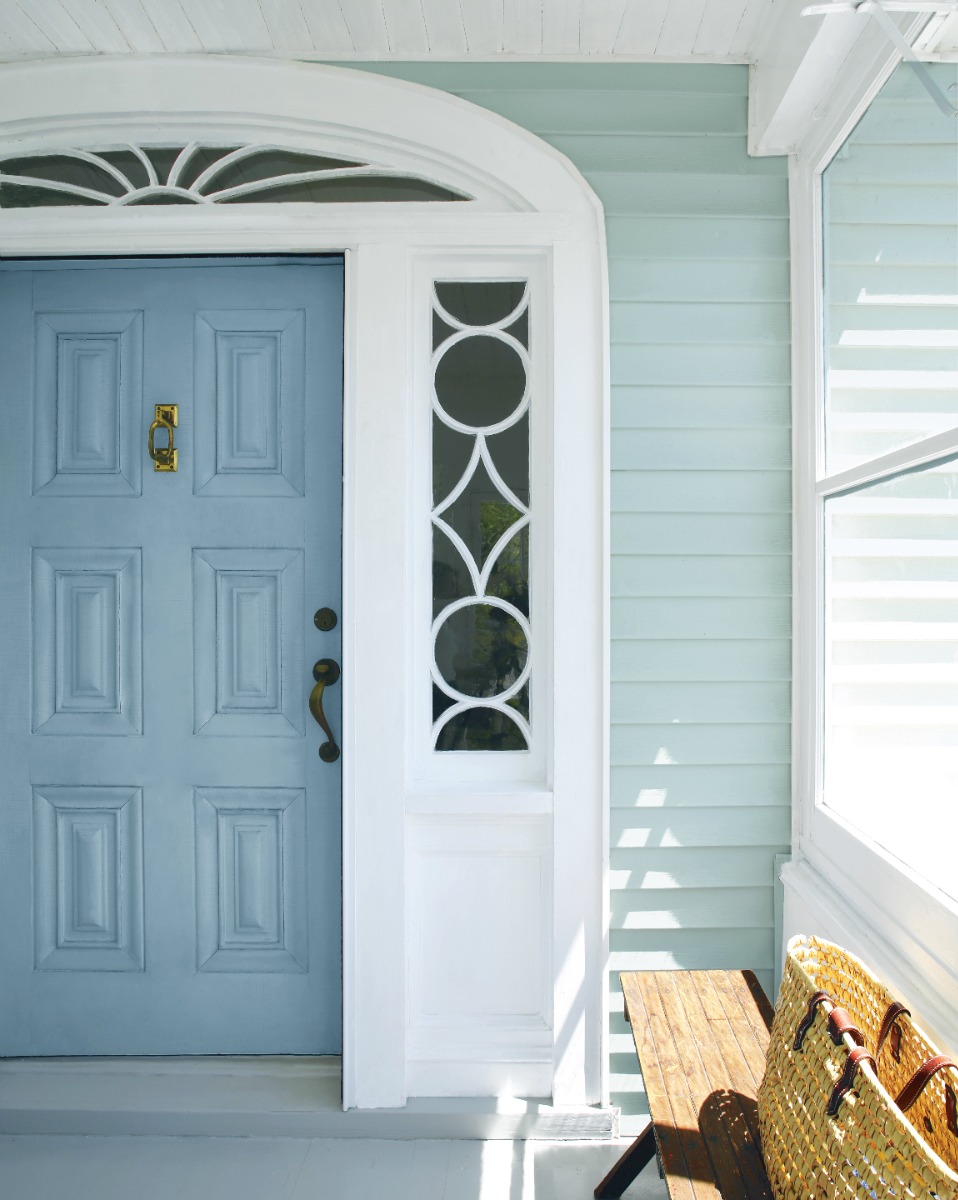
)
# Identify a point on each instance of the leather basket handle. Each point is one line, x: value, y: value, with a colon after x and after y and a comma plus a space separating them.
x: 889, y: 1026
x: 806, y: 1022
x: 839, y: 1022
x: 855, y: 1058
x: 916, y: 1085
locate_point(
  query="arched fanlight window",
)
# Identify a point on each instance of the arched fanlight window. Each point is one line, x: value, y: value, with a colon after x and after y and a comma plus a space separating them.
x: 203, y: 174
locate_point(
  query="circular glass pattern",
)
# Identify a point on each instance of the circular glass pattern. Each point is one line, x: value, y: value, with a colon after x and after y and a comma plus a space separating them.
x: 481, y: 729
x: 480, y: 381
x: 481, y: 650
x: 481, y: 303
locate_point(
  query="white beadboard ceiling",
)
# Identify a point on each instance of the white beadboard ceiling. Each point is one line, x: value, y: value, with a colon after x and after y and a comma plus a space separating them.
x: 667, y: 30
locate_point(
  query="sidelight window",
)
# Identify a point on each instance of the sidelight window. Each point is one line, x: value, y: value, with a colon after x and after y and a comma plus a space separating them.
x: 482, y: 639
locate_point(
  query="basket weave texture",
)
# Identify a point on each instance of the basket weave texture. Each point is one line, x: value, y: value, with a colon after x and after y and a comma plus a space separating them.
x: 869, y: 1150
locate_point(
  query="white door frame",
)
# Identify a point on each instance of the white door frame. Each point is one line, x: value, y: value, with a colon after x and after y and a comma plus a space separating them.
x: 409, y: 814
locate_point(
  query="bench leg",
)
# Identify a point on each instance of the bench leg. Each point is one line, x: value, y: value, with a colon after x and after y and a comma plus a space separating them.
x: 641, y: 1152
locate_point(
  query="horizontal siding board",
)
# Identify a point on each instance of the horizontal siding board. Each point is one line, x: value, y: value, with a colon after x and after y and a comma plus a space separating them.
x: 685, y: 322
x: 758, y: 617
x: 550, y: 110
x: 655, y: 659
x: 695, y: 701
x: 688, y: 154
x: 688, y: 786
x: 701, y: 449
x: 698, y: 237
x: 700, y: 363
x: 700, y: 745
x: 700, y: 533
x: 721, y: 281
x: 697, y: 867
x: 698, y: 406
x: 701, y: 575
x: 687, y: 949
x: 691, y: 908
x: 675, y: 193
x: 651, y: 492
x: 660, y: 828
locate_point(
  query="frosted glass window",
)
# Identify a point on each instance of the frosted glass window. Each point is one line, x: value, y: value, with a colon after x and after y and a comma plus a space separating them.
x: 481, y: 634
x: 891, y: 674
x: 891, y: 275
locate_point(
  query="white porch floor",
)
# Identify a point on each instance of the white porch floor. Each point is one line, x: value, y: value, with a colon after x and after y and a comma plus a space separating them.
x: 49, y: 1167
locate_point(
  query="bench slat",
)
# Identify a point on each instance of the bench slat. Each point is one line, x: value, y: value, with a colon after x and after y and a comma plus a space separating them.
x: 730, y: 1103
x: 701, y: 1038
x: 684, y: 1156
x: 715, y: 1111
x: 742, y: 1056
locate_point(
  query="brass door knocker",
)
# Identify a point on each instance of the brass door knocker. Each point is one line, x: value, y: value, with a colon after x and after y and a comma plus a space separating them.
x: 166, y: 417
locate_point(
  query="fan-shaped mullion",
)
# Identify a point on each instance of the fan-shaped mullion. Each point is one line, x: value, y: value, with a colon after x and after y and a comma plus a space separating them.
x: 275, y: 181
x: 182, y: 159
x: 151, y: 177
x: 52, y: 185
x: 227, y: 160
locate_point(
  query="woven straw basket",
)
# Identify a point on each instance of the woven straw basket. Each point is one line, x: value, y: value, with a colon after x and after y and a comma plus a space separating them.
x: 868, y: 1149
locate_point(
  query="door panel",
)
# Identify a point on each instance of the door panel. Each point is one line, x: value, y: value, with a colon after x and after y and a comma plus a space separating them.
x: 87, y: 402
x: 87, y: 642
x: 169, y: 838
x: 248, y: 642
x: 251, y: 364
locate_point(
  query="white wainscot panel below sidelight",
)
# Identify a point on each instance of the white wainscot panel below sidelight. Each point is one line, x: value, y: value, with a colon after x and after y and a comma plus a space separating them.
x: 479, y: 955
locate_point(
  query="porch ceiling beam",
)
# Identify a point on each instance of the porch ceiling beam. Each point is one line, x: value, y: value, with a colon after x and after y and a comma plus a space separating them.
x: 806, y: 68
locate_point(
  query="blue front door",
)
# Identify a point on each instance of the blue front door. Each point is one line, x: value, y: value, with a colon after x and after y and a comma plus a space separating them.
x: 169, y: 836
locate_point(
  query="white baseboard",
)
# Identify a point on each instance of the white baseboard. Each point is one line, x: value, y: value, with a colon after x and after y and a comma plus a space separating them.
x: 256, y: 1097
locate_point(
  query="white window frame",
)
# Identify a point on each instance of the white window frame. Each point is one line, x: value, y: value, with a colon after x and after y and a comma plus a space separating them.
x: 534, y: 211
x: 840, y: 884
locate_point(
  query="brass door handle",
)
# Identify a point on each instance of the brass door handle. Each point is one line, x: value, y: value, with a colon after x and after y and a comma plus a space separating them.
x: 325, y: 672
x: 166, y: 416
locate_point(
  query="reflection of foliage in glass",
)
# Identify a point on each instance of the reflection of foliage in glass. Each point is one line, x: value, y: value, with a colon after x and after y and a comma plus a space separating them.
x: 509, y: 578
x: 481, y: 650
x: 481, y: 729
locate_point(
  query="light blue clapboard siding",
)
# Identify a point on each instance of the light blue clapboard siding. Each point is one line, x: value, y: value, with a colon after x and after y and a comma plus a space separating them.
x: 699, y: 288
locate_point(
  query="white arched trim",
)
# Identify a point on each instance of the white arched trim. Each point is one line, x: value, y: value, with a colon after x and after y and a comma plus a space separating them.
x: 85, y: 102
x: 533, y: 828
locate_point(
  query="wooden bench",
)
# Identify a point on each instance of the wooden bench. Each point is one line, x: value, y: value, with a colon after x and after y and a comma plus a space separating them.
x: 701, y: 1038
